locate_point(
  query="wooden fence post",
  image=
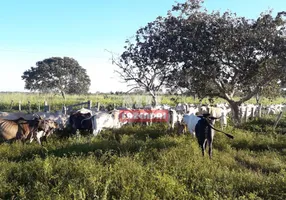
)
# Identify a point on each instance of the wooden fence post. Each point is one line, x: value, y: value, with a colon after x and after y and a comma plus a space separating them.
x: 46, y: 107
x: 29, y: 106
x: 20, y: 105
x: 98, y: 106
x: 11, y: 104
x: 89, y: 104
x: 39, y: 106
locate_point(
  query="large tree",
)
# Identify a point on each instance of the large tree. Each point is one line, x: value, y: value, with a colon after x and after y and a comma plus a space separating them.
x: 216, y: 55
x: 141, y: 64
x: 56, y: 74
x: 225, y: 54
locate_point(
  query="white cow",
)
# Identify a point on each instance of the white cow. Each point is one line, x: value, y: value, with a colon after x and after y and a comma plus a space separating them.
x: 182, y: 108
x: 191, y: 121
x: 193, y: 109
x: 221, y: 113
x: 173, y: 118
x: 16, y: 115
x: 103, y: 120
x: 59, y: 117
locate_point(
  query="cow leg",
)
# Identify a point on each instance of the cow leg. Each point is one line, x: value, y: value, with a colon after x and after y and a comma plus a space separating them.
x: 39, y: 141
x: 210, y: 150
x: 23, y: 141
x: 95, y: 132
x: 38, y: 137
x: 43, y: 139
x: 204, y: 146
x: 74, y: 131
x: 201, y: 143
x: 210, y: 144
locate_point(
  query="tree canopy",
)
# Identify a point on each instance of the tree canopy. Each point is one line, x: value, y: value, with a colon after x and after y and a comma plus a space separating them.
x: 57, y: 74
x: 211, y: 54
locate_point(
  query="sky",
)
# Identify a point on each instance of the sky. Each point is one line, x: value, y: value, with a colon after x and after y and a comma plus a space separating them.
x: 87, y: 31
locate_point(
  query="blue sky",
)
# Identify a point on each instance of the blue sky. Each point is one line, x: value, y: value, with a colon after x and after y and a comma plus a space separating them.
x: 34, y: 30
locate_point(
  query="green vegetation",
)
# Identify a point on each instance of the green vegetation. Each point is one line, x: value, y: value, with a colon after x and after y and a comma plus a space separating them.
x: 10, y: 101
x: 207, y: 53
x: 147, y: 163
x: 58, y: 75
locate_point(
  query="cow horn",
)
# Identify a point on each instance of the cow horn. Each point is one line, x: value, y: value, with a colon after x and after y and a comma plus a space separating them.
x: 87, y: 118
x: 211, y: 117
x: 38, y: 116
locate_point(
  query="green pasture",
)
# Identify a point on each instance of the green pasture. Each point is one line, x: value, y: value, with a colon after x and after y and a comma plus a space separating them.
x: 10, y: 101
x: 149, y: 163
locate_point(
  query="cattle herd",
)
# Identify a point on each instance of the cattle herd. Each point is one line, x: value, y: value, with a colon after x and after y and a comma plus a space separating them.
x: 197, y: 119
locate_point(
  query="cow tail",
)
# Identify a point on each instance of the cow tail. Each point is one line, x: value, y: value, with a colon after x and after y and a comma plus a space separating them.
x: 228, y: 135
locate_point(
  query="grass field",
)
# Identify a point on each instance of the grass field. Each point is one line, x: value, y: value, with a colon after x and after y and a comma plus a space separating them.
x: 146, y: 163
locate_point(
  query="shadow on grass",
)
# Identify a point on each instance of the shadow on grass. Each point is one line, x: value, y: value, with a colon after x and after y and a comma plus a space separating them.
x: 256, y: 166
x: 265, y: 125
x: 244, y: 145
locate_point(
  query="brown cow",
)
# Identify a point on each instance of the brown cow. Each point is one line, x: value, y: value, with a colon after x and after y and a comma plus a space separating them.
x: 19, y: 129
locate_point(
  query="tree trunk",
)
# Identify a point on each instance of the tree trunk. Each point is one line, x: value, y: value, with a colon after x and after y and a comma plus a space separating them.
x: 257, y: 98
x: 63, y: 94
x: 154, y: 99
x: 235, y: 110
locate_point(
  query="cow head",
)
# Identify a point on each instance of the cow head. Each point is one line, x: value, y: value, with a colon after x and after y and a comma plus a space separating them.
x: 37, y: 117
x: 210, y: 119
x: 48, y: 126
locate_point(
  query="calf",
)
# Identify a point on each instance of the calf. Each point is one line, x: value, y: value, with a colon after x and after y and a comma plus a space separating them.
x: 45, y: 129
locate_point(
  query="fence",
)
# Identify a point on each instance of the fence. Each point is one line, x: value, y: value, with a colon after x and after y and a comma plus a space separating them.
x: 20, y: 106
x: 87, y: 104
x: 38, y: 107
x: 69, y: 108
